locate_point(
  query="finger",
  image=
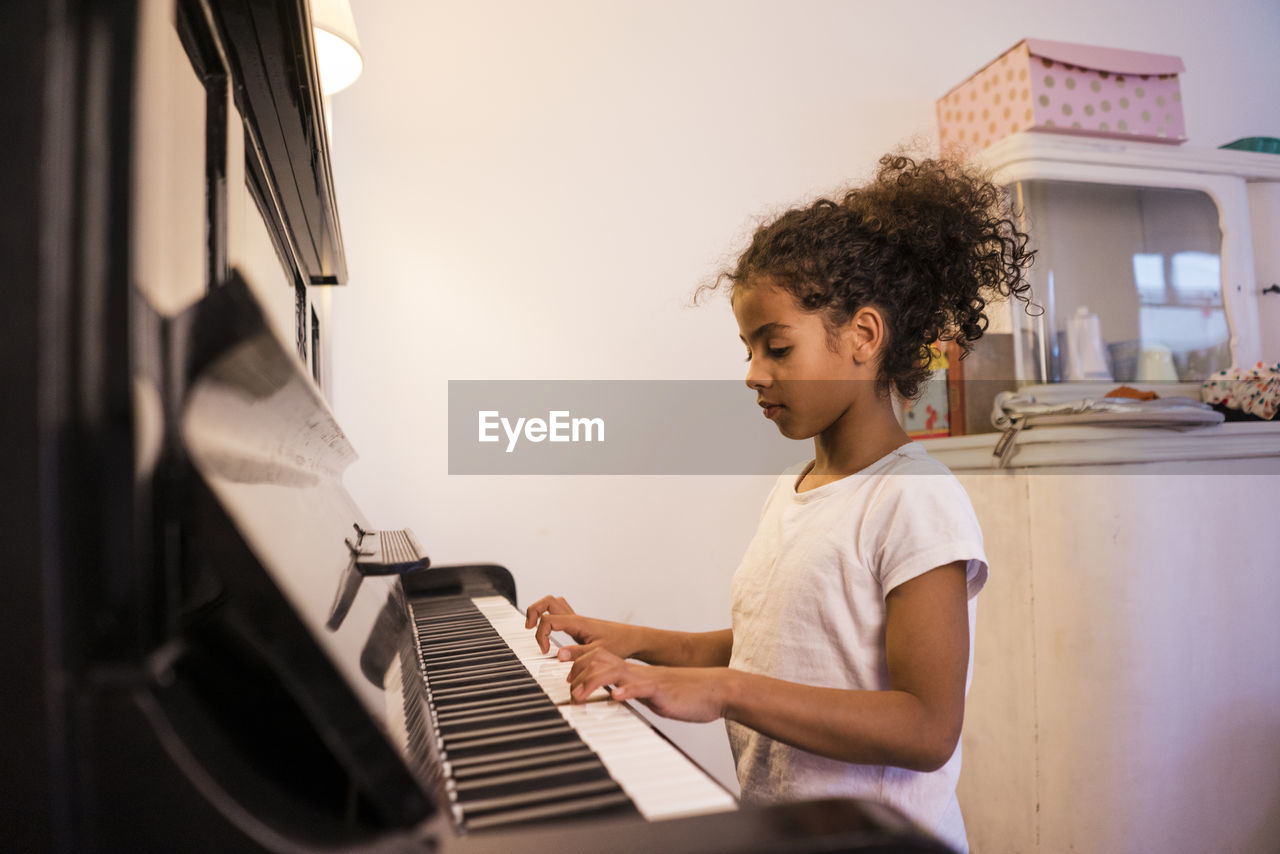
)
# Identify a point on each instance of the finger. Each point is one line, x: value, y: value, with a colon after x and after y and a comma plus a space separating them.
x: 596, y: 675
x: 534, y: 611
x: 543, y: 634
x: 549, y: 623
x: 574, y: 651
x: 591, y: 654
x: 546, y: 603
x: 638, y: 690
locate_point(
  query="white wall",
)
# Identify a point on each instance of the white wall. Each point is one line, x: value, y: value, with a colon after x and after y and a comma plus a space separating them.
x: 531, y: 191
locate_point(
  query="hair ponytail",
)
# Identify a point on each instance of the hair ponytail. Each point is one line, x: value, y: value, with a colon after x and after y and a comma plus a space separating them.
x: 926, y: 242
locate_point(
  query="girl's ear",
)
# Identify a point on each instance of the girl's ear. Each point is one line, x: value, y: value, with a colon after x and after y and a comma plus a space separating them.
x: 865, y: 333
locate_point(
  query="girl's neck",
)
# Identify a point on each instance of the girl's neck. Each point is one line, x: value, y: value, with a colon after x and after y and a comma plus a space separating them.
x: 865, y: 433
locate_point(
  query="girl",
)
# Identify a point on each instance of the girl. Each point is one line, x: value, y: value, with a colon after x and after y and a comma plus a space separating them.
x: 849, y: 657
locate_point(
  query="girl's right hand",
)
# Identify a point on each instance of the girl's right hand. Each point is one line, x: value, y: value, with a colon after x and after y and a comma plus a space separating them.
x: 553, y: 613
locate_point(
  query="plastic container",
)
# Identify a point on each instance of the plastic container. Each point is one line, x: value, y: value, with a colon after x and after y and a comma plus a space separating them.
x: 1262, y: 144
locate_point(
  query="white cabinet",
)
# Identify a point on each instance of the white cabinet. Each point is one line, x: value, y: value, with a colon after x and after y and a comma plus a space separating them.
x: 1126, y: 692
x: 1170, y: 246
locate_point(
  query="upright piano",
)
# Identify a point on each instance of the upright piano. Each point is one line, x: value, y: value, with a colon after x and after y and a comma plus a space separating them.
x: 224, y: 653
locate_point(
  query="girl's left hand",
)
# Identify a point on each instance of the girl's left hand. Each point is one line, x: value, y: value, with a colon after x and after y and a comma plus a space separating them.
x: 683, y: 693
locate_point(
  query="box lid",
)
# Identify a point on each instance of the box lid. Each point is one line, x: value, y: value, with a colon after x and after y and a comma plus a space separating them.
x: 1106, y: 58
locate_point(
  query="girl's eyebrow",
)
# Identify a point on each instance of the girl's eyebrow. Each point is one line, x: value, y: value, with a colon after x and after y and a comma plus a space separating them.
x: 765, y: 328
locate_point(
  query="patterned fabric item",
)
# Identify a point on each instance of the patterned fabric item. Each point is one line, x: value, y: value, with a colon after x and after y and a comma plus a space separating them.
x: 1253, y: 390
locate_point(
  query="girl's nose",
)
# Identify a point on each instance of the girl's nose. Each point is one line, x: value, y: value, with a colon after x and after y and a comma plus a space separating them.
x: 757, y: 377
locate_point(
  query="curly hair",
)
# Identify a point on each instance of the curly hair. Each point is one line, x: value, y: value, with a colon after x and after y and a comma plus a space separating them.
x: 926, y: 243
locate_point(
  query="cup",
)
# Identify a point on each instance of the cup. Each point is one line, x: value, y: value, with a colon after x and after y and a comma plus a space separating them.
x: 1085, y: 357
x: 1155, y: 364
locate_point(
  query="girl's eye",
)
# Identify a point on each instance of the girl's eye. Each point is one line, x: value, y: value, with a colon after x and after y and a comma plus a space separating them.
x: 774, y: 353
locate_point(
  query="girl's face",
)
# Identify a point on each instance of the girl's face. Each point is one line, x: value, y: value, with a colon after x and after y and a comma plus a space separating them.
x: 803, y: 385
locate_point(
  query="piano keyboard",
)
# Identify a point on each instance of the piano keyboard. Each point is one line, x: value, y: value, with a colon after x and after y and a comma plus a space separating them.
x: 505, y: 744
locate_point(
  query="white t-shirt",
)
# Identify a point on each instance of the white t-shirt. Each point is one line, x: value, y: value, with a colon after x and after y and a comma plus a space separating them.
x: 809, y: 607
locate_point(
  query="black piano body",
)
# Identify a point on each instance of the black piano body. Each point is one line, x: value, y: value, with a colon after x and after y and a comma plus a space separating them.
x: 204, y: 653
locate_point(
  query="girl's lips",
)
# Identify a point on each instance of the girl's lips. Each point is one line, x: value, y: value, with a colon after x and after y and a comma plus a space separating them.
x: 772, y: 410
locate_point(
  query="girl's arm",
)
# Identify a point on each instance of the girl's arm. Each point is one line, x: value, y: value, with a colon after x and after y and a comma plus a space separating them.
x: 654, y: 646
x: 914, y: 724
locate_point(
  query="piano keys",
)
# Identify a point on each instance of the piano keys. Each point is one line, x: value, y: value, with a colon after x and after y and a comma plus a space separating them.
x: 492, y: 714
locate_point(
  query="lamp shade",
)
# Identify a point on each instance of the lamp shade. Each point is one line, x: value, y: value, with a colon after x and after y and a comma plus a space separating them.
x: 337, y: 45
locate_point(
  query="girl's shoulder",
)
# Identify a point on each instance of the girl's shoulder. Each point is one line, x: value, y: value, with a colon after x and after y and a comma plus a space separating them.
x: 913, y: 472
x: 914, y: 458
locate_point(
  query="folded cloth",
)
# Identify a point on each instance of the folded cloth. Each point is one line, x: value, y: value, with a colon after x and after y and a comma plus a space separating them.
x: 1011, y: 407
x: 1253, y: 390
x: 1014, y: 411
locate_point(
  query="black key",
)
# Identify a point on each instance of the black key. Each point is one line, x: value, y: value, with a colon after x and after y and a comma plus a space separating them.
x: 567, y: 755
x: 468, y: 738
x: 481, y: 687
x: 530, y: 782
x: 465, y: 646
x: 430, y: 629
x: 500, y: 706
x: 595, y: 806
x: 458, y: 700
x: 492, y: 747
x: 459, y: 663
x: 471, y: 723
x: 489, y: 671
x: 567, y: 792
x: 514, y: 754
x: 492, y: 704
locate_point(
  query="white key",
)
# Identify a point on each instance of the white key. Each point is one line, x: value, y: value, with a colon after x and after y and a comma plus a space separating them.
x: 658, y: 778
x: 549, y: 672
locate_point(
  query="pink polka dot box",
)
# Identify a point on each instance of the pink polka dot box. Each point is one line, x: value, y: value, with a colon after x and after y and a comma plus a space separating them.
x: 1058, y: 87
